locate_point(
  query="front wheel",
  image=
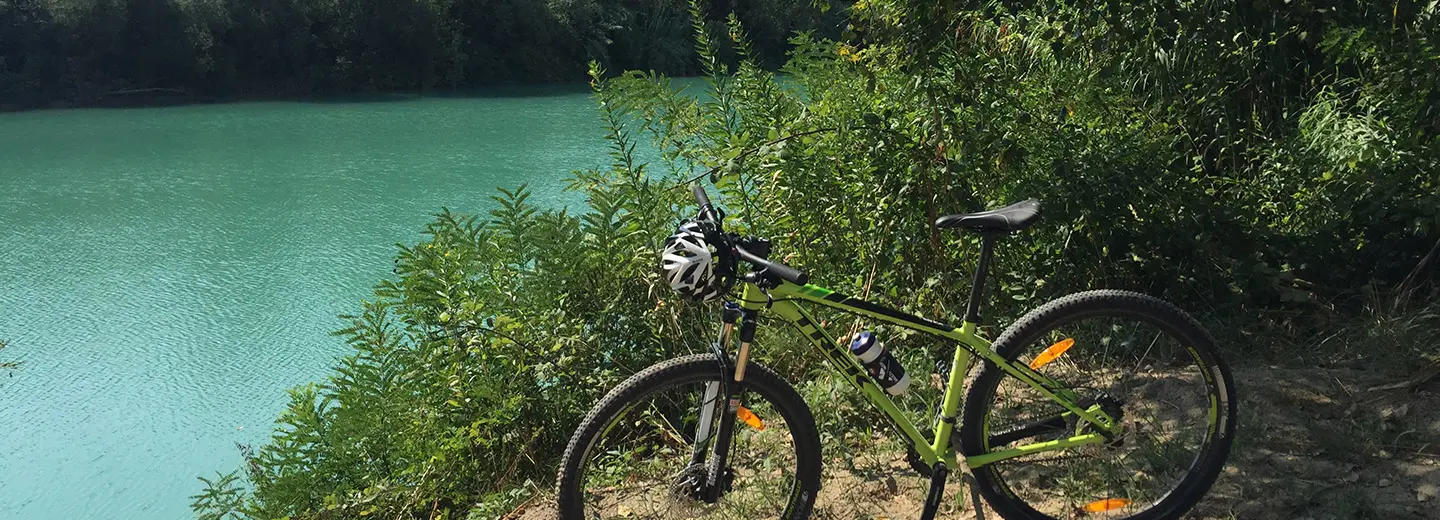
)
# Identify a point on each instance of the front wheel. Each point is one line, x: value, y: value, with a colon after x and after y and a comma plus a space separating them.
x: 1142, y: 362
x: 643, y: 451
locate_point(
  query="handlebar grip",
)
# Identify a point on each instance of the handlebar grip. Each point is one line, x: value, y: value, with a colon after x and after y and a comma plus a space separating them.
x: 703, y: 199
x: 785, y: 272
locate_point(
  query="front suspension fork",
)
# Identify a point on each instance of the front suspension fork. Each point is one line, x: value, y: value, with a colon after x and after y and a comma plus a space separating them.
x: 733, y: 390
x: 710, y: 403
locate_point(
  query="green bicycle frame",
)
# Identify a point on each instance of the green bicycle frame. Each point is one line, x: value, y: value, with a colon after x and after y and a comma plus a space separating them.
x: 781, y: 301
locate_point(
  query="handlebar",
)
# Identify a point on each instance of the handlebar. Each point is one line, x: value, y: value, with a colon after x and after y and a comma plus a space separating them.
x: 762, y: 265
x: 785, y: 272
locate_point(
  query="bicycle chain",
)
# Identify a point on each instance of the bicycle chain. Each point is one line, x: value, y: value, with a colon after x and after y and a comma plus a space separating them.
x: 1114, y: 408
x: 1039, y: 460
x: 1047, y: 459
x: 1056, y: 458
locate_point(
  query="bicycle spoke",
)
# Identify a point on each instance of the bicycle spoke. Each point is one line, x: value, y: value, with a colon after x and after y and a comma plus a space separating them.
x: 1137, y: 374
x: 646, y: 454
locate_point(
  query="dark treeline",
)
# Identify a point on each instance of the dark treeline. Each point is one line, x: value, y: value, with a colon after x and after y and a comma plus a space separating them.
x: 88, y: 52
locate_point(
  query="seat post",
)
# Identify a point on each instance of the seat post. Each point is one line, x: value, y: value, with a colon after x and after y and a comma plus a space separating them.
x: 987, y: 249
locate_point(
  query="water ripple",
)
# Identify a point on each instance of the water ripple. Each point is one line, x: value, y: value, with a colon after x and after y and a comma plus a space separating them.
x: 165, y: 274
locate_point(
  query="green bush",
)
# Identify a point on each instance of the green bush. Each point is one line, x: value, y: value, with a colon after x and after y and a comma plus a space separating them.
x: 1271, y: 166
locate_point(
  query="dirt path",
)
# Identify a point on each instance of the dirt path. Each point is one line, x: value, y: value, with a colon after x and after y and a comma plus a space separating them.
x: 1316, y: 444
x: 1331, y: 444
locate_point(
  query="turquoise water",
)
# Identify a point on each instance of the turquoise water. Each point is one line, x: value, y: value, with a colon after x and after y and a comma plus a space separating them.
x: 167, y: 273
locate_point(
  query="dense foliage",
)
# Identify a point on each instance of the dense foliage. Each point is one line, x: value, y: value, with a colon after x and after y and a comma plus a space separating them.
x: 1272, y: 166
x: 129, y: 51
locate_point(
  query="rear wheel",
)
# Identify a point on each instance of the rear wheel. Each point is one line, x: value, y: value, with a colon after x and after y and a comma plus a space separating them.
x: 635, y: 454
x: 1139, y: 359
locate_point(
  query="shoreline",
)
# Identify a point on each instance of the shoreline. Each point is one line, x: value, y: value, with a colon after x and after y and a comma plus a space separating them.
x: 163, y: 98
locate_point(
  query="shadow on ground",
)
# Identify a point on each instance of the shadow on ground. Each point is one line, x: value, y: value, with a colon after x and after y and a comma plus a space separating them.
x: 1316, y: 444
x: 1332, y: 444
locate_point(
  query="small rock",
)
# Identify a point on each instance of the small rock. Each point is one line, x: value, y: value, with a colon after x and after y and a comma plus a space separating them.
x: 1382, y: 454
x: 1352, y: 477
x: 1384, y: 482
x: 1425, y: 492
x: 1394, y: 413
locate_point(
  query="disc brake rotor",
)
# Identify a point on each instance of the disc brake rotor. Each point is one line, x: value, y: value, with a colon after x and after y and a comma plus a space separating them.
x: 691, y: 482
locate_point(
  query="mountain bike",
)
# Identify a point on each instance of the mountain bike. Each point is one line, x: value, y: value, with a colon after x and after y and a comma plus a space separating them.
x: 1100, y: 404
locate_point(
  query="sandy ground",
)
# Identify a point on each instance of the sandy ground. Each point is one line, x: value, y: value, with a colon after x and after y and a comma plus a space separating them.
x: 1315, y: 444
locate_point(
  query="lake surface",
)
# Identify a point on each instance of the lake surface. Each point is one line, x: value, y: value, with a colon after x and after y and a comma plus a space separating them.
x: 167, y: 273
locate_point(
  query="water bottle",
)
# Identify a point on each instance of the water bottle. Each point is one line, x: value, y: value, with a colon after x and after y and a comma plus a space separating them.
x: 882, y: 365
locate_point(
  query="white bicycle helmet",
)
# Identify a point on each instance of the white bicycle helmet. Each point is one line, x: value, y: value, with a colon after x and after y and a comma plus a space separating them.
x: 688, y: 265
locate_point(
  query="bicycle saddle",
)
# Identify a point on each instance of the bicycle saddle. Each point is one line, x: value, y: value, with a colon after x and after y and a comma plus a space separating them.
x: 1014, y: 217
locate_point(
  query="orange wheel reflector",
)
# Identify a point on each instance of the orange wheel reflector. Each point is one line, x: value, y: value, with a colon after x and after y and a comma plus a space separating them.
x: 1100, y: 506
x: 1052, y: 353
x: 750, y: 418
